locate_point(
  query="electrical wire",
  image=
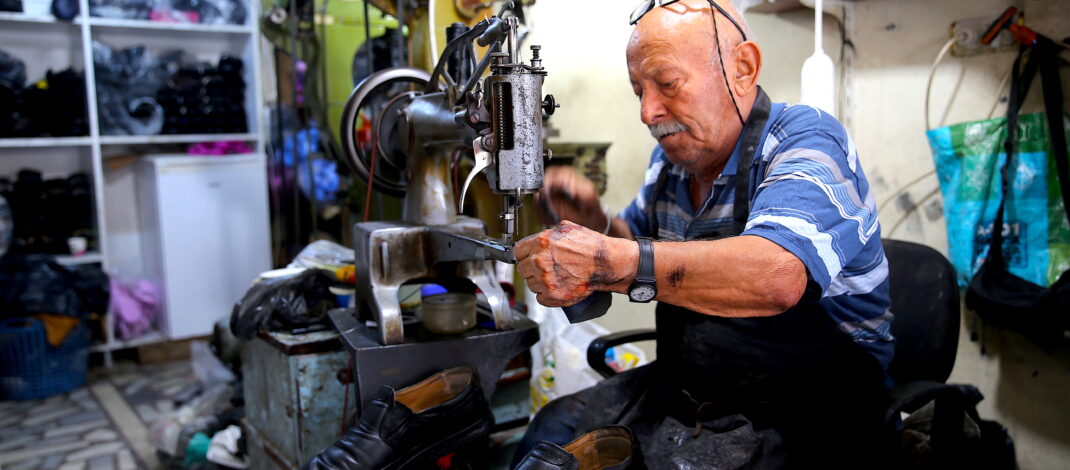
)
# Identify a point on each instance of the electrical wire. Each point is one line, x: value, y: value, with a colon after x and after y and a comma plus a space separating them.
x: 371, y: 177
x: 845, y: 42
x: 912, y: 210
x: 932, y: 71
x: 928, y: 125
x: 928, y: 91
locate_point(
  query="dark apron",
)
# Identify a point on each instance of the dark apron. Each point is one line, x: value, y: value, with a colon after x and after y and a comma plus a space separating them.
x: 783, y: 371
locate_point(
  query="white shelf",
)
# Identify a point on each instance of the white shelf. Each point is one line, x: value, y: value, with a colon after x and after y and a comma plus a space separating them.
x: 24, y: 18
x: 153, y: 336
x: 88, y: 258
x: 20, y: 142
x: 123, y: 23
x: 172, y: 138
x: 164, y: 26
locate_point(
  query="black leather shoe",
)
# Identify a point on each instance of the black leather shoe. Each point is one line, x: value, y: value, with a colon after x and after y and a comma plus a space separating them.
x: 604, y: 448
x: 412, y: 425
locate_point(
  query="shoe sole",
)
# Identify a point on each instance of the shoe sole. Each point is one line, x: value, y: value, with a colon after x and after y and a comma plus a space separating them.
x: 444, y: 446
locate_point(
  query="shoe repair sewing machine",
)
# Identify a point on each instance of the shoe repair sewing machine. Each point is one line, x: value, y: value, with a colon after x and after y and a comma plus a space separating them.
x: 411, y: 125
x: 417, y: 131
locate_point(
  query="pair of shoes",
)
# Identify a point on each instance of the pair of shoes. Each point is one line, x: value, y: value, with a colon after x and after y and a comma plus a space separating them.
x: 604, y: 448
x: 413, y: 425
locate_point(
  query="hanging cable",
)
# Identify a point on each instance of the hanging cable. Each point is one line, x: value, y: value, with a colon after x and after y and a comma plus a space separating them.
x: 928, y: 91
x: 912, y: 210
x: 932, y: 72
x: 371, y: 177
x: 906, y: 186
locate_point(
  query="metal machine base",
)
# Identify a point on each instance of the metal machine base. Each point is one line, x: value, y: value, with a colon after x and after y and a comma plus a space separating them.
x: 389, y: 254
x: 423, y: 353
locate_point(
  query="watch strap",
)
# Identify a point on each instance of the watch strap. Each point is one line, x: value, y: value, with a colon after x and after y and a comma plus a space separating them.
x: 645, y: 272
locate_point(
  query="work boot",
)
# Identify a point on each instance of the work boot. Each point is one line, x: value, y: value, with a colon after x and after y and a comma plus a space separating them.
x: 413, y: 425
x: 604, y: 448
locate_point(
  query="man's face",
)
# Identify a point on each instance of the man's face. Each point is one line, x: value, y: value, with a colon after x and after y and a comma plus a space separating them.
x: 684, y: 100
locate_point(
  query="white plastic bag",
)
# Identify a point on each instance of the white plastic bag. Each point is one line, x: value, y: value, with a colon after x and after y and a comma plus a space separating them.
x: 208, y: 369
x: 559, y: 360
x: 323, y: 254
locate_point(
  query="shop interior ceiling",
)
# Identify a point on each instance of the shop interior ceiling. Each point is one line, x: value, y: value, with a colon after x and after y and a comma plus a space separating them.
x: 322, y: 51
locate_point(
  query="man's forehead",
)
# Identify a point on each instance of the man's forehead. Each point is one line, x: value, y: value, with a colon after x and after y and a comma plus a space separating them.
x: 650, y: 54
x: 641, y: 48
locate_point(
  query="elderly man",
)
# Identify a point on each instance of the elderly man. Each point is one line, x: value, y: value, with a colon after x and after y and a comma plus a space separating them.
x: 772, y: 317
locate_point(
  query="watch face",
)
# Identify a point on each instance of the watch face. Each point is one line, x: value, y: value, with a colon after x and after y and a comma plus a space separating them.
x: 642, y: 293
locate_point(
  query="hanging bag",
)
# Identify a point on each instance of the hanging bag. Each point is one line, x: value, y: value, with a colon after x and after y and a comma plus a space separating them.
x: 997, y: 295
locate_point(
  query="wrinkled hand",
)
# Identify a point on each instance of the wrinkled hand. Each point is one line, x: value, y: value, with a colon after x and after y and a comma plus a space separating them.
x: 568, y: 195
x: 565, y: 264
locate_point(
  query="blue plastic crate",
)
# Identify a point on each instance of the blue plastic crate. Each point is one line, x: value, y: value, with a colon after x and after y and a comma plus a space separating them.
x: 30, y: 368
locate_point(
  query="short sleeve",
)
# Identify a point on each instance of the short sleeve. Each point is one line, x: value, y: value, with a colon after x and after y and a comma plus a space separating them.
x: 635, y: 213
x: 809, y: 202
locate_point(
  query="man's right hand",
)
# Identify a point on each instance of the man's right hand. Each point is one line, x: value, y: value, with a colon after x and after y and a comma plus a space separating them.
x: 568, y: 195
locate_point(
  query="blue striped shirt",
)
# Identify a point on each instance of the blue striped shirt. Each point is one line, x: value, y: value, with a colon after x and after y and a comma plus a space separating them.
x: 808, y: 195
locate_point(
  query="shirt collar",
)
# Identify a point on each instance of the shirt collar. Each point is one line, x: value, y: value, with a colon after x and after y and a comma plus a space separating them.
x: 733, y: 160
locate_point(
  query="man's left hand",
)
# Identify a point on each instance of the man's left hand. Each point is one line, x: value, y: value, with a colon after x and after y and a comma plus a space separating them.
x: 565, y: 264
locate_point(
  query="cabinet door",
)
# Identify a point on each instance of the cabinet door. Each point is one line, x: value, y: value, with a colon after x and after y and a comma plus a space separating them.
x: 214, y: 237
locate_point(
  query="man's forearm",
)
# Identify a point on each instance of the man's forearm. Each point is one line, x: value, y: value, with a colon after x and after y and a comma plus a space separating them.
x: 744, y: 276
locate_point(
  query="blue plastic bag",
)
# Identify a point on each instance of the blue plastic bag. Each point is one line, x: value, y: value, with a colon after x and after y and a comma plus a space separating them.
x: 1036, y: 234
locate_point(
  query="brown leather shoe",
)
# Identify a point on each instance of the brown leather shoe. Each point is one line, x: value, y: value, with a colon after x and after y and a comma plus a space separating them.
x: 604, y: 448
x: 415, y: 424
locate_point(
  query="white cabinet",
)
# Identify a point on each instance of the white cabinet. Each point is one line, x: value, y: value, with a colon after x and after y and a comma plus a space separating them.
x: 204, y: 233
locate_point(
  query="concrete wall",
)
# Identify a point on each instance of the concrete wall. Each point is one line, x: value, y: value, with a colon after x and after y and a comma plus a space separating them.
x: 895, y: 41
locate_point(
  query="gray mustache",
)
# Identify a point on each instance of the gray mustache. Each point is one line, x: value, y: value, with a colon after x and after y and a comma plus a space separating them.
x: 665, y: 128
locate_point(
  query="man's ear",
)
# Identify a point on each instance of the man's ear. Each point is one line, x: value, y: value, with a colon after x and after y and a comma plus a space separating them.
x: 748, y: 65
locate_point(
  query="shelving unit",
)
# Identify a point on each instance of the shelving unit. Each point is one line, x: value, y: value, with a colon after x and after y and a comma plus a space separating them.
x: 173, y: 139
x: 43, y: 43
x: 46, y: 142
x: 161, y: 26
x: 88, y: 258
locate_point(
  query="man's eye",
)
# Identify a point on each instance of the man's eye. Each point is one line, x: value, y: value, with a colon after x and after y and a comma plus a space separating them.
x: 667, y: 84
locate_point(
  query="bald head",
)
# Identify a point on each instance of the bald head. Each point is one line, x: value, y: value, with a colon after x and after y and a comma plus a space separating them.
x: 692, y: 104
x: 692, y: 19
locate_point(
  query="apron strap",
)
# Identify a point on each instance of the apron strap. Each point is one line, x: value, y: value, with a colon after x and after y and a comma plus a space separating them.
x: 751, y: 136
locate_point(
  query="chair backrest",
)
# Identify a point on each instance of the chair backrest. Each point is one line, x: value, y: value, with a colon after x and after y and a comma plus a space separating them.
x: 925, y: 301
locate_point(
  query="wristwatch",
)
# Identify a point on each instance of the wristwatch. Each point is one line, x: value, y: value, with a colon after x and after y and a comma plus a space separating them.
x: 644, y: 288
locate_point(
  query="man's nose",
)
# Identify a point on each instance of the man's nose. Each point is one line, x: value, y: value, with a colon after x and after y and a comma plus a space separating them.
x: 652, y: 109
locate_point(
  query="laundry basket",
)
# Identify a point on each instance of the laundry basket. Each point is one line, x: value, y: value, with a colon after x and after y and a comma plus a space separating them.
x: 30, y: 368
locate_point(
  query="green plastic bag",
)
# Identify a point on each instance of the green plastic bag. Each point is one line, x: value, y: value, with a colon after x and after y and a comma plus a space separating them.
x: 1036, y: 233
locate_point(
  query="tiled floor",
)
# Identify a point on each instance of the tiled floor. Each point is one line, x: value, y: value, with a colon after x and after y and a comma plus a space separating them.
x: 103, y: 426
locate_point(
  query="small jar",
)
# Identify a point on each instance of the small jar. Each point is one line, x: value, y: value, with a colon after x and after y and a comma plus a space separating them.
x: 449, y: 313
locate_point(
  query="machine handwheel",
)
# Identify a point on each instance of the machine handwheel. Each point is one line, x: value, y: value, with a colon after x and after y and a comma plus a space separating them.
x: 369, y: 118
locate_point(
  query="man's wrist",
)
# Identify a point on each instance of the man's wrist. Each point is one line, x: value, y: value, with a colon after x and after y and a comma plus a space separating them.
x: 624, y: 263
